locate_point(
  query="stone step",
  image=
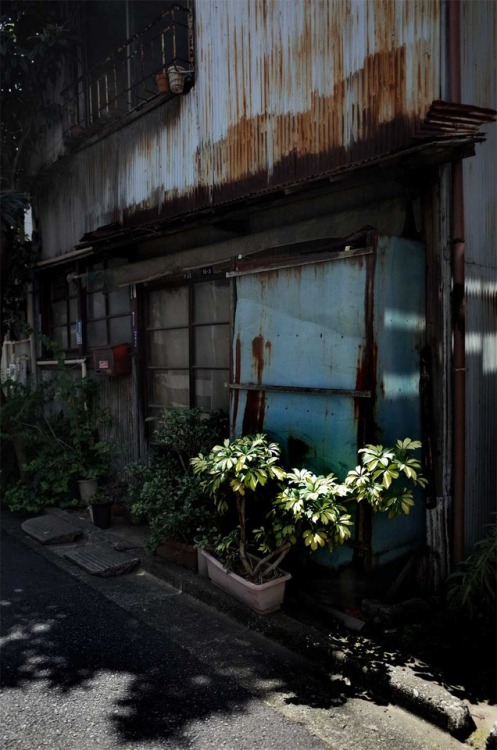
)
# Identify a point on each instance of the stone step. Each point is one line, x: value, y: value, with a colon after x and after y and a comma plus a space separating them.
x: 102, y: 560
x: 51, y: 530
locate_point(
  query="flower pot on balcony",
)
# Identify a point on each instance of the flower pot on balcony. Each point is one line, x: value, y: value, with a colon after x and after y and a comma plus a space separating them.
x: 177, y: 76
x: 262, y: 598
x: 162, y: 82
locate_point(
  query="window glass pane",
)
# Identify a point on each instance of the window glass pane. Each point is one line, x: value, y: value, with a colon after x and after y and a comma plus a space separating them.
x: 211, y: 302
x: 97, y: 333
x: 211, y: 392
x: 120, y: 330
x: 116, y: 262
x: 95, y: 306
x: 60, y: 288
x: 168, y: 308
x: 169, y: 348
x: 59, y: 313
x: 73, y: 344
x: 60, y: 336
x: 170, y: 388
x: 73, y: 310
x: 212, y: 346
x: 119, y: 301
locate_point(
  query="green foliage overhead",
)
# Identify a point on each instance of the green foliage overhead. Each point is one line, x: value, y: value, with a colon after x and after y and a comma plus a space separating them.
x: 34, y: 46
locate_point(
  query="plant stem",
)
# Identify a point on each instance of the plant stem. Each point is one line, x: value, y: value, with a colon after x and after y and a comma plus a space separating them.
x: 281, y: 552
x: 240, y: 506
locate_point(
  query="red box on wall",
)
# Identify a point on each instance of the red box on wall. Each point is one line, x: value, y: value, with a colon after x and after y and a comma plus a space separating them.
x: 112, y: 360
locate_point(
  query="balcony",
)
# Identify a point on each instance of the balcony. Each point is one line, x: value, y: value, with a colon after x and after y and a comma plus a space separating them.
x: 155, y: 64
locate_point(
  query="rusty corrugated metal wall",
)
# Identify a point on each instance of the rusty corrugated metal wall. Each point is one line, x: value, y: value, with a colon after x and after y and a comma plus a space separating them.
x: 479, y: 86
x: 284, y: 91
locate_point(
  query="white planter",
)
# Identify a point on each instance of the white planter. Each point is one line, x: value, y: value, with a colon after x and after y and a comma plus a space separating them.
x: 176, y: 75
x: 87, y: 488
x: 203, y: 568
x: 260, y: 597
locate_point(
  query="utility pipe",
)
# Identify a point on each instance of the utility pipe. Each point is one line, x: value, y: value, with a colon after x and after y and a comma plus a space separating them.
x: 458, y: 280
x: 30, y: 314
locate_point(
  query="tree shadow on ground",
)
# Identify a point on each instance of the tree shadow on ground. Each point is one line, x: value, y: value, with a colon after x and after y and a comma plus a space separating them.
x: 61, y: 635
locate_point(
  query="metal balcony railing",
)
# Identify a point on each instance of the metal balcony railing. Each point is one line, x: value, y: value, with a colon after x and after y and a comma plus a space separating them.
x: 131, y: 76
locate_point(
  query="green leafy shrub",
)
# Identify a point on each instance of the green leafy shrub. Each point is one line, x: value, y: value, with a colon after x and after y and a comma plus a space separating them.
x: 472, y: 588
x: 304, y: 507
x: 187, y: 432
x: 54, y: 429
x: 165, y: 493
x: 382, y: 477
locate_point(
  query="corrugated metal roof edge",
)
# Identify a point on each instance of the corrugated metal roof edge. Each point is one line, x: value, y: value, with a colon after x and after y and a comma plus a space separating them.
x: 439, y: 152
x: 433, y: 151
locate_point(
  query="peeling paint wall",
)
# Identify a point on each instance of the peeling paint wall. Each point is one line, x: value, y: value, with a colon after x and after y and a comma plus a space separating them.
x: 284, y: 91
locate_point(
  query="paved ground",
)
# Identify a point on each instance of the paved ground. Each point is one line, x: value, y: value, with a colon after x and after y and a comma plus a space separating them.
x: 131, y: 662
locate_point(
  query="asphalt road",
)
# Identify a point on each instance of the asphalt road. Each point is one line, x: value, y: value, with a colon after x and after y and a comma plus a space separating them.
x: 164, y: 671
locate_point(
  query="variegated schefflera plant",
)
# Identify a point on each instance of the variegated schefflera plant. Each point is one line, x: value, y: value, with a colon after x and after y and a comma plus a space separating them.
x: 306, y: 506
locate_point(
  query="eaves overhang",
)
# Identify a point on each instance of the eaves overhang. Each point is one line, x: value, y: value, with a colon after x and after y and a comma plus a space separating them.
x: 448, y: 133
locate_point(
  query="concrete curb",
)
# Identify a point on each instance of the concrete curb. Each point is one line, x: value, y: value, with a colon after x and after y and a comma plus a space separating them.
x: 354, y: 656
x: 358, y: 660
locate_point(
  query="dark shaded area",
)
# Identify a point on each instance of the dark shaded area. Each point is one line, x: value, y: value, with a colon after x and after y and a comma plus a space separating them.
x: 62, y: 634
x: 438, y: 644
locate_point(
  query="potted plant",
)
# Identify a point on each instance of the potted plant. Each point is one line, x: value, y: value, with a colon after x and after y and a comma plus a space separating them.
x: 100, y: 507
x: 162, y: 82
x: 57, y: 425
x: 95, y: 462
x: 166, y: 493
x: 92, y: 455
x: 244, y: 465
x: 305, y: 507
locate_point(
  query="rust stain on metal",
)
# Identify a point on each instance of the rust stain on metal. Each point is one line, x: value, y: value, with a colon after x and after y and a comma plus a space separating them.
x: 253, y: 418
x: 361, y: 381
x: 366, y: 372
x: 268, y: 348
x: 450, y: 119
x: 236, y: 393
x: 258, y: 357
x: 237, y: 359
x: 315, y: 139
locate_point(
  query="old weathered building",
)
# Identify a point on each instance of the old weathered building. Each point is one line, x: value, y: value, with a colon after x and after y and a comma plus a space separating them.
x: 296, y: 221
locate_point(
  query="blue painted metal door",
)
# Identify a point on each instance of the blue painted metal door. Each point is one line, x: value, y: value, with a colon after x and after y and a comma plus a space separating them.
x: 326, y: 358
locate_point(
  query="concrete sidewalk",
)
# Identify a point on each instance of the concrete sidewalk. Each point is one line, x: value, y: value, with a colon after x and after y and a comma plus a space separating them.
x: 365, y: 664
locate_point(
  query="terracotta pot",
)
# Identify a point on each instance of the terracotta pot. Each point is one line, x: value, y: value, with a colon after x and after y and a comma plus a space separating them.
x: 162, y: 82
x: 178, y: 552
x: 262, y: 598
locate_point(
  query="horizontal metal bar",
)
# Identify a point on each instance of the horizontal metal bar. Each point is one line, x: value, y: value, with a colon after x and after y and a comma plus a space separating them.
x: 302, y: 260
x: 299, y: 389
